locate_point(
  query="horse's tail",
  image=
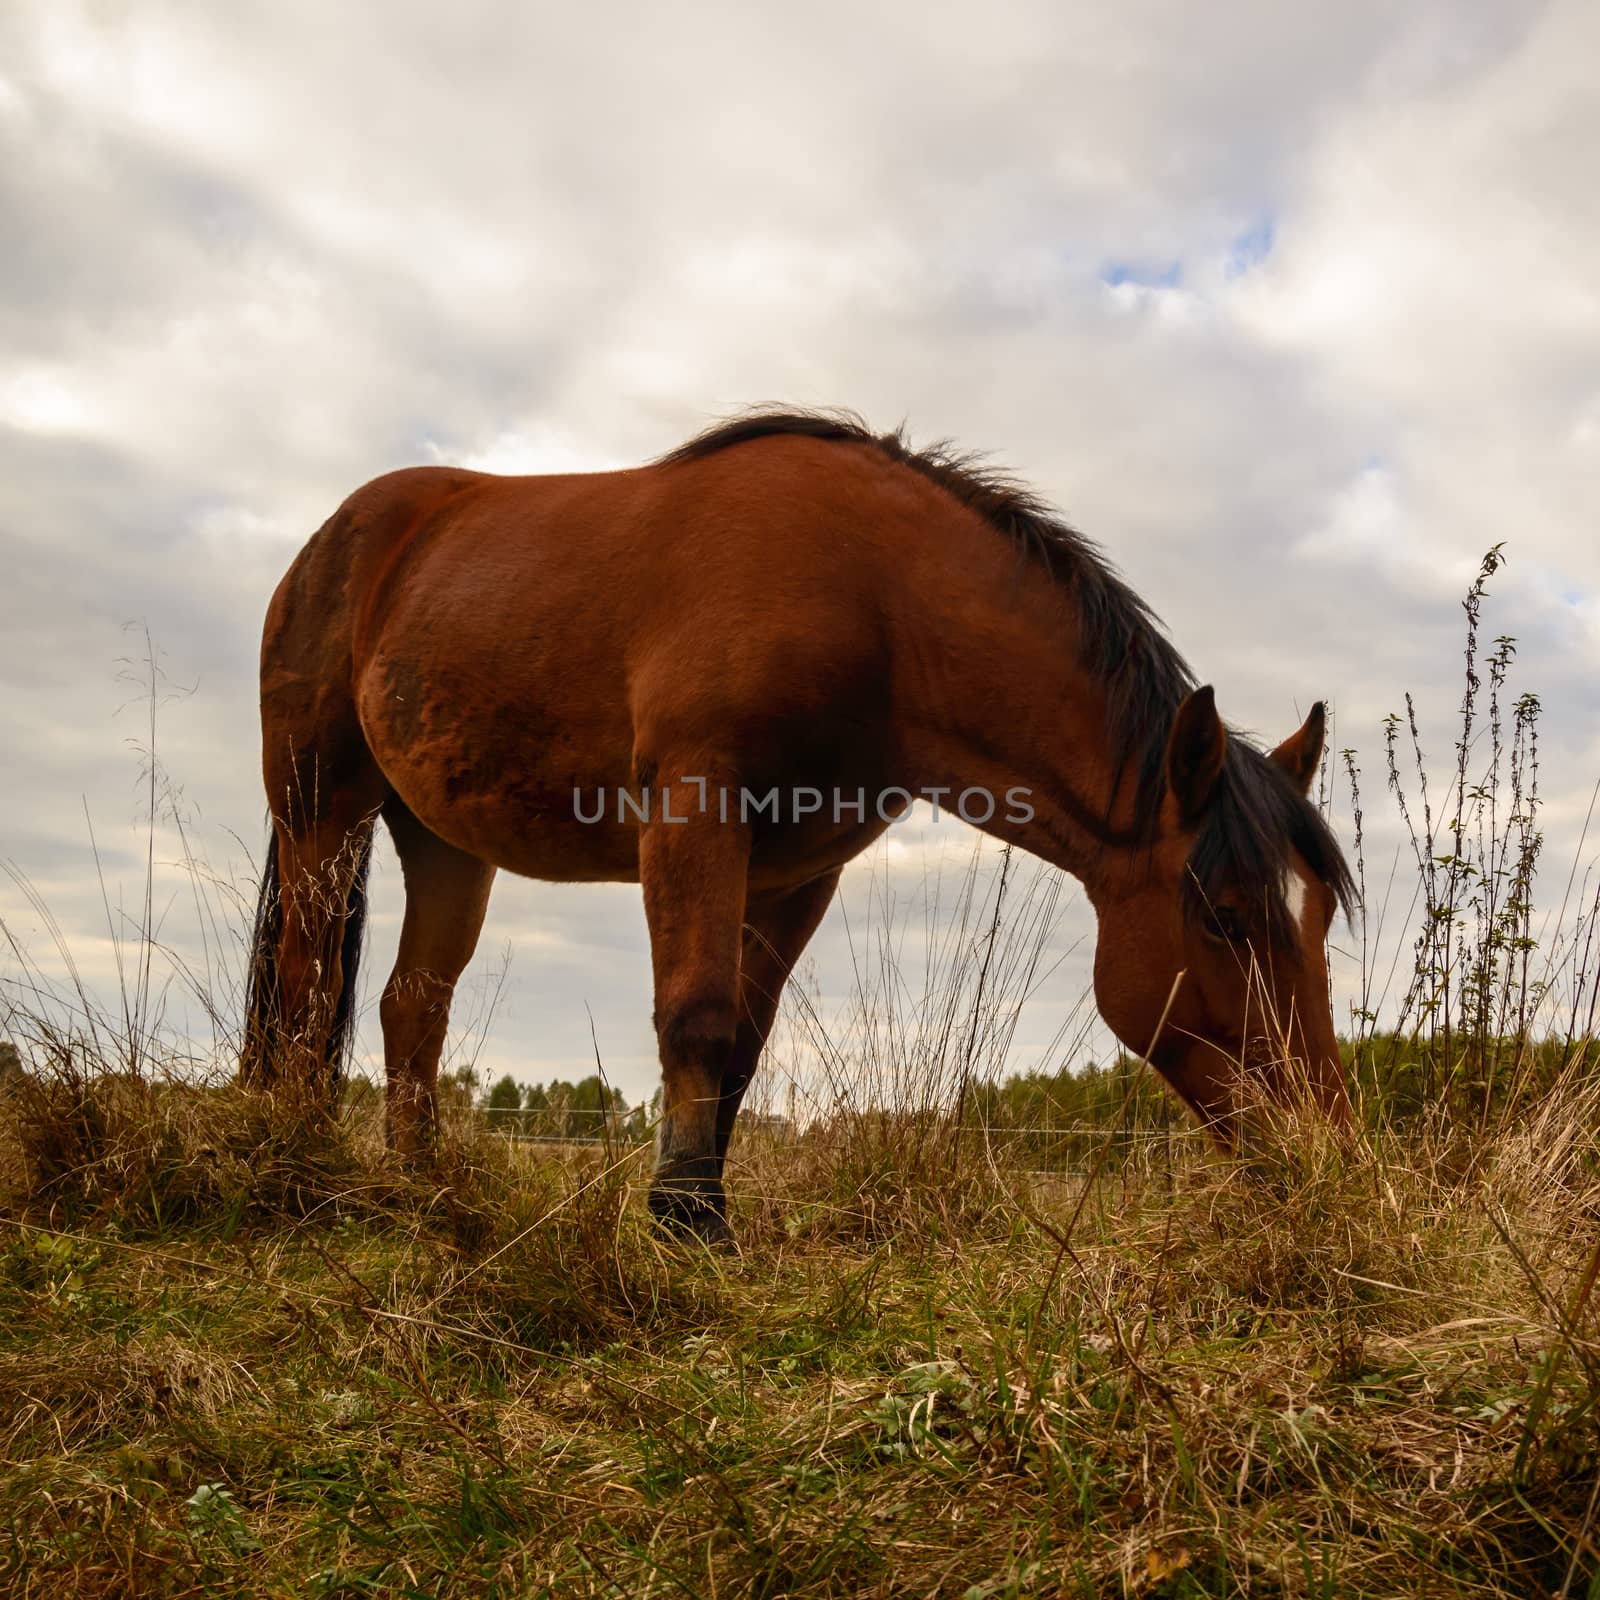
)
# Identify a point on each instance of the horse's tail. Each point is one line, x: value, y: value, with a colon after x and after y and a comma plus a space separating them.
x: 259, y: 1053
x: 263, y: 1041
x: 355, y: 928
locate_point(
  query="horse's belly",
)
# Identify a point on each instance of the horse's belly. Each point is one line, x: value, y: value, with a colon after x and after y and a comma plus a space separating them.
x: 506, y: 783
x: 562, y: 852
x: 524, y: 827
x: 787, y: 857
x: 532, y: 770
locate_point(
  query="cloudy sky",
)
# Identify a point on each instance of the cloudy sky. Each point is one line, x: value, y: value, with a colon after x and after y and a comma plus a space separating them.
x: 1298, y: 313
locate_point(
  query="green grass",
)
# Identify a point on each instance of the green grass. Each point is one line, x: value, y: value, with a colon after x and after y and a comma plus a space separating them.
x: 243, y: 1356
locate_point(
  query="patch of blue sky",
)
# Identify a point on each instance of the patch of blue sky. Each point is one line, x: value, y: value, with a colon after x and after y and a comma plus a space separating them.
x: 1250, y: 248
x: 1142, y: 274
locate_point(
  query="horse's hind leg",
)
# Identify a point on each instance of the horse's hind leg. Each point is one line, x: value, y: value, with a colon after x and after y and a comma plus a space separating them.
x: 693, y: 874
x: 322, y: 808
x: 447, y: 894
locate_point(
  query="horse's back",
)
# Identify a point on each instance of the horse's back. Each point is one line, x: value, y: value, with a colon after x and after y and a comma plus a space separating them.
x: 504, y: 642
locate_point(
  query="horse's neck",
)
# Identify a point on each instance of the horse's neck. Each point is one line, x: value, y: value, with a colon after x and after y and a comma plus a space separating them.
x: 999, y: 702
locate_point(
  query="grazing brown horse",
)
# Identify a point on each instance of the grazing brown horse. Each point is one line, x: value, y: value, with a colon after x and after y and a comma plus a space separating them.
x: 721, y: 676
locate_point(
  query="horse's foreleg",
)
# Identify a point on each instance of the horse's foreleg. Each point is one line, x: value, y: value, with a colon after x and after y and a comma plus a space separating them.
x: 447, y: 894
x: 693, y: 876
x: 777, y: 930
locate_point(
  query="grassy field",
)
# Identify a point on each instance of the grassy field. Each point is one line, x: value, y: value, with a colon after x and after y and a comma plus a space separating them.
x: 241, y: 1356
x: 980, y: 1339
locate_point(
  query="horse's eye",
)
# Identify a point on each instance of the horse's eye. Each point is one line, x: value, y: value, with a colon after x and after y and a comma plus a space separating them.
x: 1223, y: 922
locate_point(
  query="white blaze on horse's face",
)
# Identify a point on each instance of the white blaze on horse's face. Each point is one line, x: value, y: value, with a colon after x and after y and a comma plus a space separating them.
x: 1294, y: 896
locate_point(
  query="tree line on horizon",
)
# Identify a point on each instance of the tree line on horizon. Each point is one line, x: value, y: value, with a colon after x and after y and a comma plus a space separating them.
x: 590, y: 1108
x: 1035, y: 1102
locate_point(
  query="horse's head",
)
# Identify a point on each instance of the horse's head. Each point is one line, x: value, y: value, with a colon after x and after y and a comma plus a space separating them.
x: 1236, y: 890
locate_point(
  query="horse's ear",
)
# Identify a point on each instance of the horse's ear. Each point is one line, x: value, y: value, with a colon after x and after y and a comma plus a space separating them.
x: 1301, y: 752
x: 1196, y: 748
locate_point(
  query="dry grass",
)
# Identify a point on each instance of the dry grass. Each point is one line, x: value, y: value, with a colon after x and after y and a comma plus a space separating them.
x: 244, y: 1354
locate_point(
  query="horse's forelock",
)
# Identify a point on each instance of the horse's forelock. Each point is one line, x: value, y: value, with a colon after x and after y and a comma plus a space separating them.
x: 1257, y: 821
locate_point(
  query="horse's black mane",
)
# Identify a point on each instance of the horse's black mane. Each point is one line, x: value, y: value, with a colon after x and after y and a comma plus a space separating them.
x: 1258, y: 814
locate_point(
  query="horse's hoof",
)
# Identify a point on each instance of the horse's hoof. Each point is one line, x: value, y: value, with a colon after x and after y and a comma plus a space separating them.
x: 690, y: 1206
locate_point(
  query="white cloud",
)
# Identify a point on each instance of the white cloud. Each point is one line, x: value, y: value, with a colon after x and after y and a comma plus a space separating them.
x: 39, y: 400
x: 1162, y: 303
x: 539, y: 447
